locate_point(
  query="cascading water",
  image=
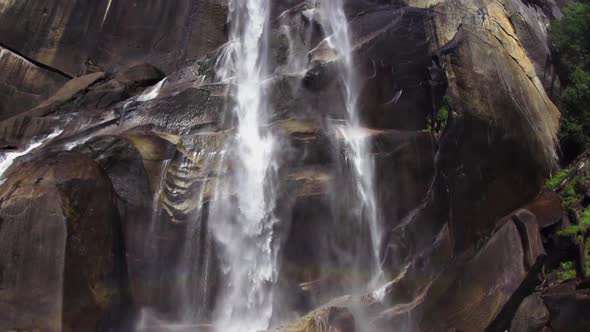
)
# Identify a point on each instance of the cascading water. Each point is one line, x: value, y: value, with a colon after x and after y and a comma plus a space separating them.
x: 7, y: 158
x: 356, y: 138
x: 242, y: 216
x: 243, y: 222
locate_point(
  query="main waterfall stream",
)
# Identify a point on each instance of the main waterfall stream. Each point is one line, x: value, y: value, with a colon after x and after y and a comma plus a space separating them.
x: 243, y: 223
x: 242, y: 219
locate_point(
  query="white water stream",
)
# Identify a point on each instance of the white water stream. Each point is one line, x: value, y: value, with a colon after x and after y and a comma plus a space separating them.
x: 241, y: 216
x: 357, y: 139
x: 7, y: 158
x: 243, y: 222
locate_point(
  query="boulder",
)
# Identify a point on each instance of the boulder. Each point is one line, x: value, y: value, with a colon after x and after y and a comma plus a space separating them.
x: 568, y: 309
x: 59, y: 216
x: 441, y: 292
x: 532, y: 243
x: 483, y: 51
x: 547, y: 208
x: 531, y: 316
x: 481, y: 287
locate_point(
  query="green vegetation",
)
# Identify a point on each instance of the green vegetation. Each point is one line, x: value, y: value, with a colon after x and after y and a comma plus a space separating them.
x: 586, y: 218
x: 570, y: 40
x: 443, y: 111
x: 566, y: 272
x: 557, y: 179
x: 579, y: 233
x: 442, y: 116
x: 570, y: 231
x: 578, y: 230
x: 569, y: 197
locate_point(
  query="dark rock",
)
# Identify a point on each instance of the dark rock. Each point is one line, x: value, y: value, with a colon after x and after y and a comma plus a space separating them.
x: 21, y: 130
x: 532, y: 315
x: 547, y: 208
x: 530, y: 24
x: 568, y: 310
x: 24, y: 84
x: 134, y: 164
x: 531, y: 237
x: 463, y: 293
x: 455, y: 261
x: 59, y: 217
x: 481, y: 287
x: 125, y: 84
x: 78, y: 36
x: 471, y: 161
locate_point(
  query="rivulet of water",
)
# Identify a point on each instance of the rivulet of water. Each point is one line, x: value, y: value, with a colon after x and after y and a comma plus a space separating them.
x: 357, y: 140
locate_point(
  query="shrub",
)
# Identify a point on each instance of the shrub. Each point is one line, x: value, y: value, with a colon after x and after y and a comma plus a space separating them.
x: 566, y: 272
x: 570, y: 41
x: 442, y: 116
x: 570, y: 37
x: 569, y: 197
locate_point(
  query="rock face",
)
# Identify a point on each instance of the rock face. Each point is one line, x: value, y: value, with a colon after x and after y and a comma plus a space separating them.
x: 120, y: 196
x: 58, y: 216
x: 72, y: 38
x: 24, y: 84
x: 532, y: 315
x: 75, y: 36
x: 568, y: 309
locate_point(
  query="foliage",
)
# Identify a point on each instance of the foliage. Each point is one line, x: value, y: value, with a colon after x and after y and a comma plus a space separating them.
x: 578, y: 229
x: 443, y: 111
x: 579, y: 232
x: 566, y: 271
x: 570, y: 40
x: 569, y: 197
x: 570, y: 37
x: 442, y: 116
x: 575, y: 126
x: 557, y: 179
x: 585, y: 220
x: 570, y: 230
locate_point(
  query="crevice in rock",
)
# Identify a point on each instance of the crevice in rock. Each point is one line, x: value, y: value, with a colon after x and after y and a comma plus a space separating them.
x: 37, y: 63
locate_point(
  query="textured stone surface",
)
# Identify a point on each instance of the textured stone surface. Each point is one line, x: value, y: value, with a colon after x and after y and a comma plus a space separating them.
x: 24, y: 84
x: 532, y: 315
x: 77, y: 35
x: 59, y: 217
x: 547, y: 207
x: 453, y: 258
x: 568, y: 309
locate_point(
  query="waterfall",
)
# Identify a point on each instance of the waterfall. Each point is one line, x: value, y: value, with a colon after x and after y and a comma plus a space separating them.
x: 356, y: 139
x: 240, y: 223
x: 242, y: 219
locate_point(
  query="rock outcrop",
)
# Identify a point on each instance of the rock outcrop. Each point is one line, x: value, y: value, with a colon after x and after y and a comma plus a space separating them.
x: 120, y: 196
x: 24, y: 84
x: 63, y: 264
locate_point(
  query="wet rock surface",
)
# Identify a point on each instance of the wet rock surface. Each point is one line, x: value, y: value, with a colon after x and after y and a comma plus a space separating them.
x: 136, y: 163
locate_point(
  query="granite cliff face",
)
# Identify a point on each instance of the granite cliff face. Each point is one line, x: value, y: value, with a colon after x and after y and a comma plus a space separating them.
x: 119, y: 108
